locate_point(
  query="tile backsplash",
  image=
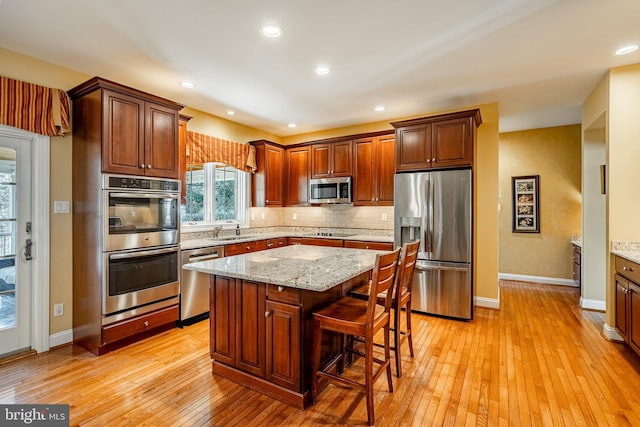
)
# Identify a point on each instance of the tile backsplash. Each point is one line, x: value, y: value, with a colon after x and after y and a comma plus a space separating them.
x: 330, y: 216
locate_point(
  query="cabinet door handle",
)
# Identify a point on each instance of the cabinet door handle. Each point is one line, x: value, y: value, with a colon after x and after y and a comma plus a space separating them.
x: 146, y: 323
x: 248, y: 247
x: 142, y: 166
x: 428, y: 160
x: 280, y: 288
x: 627, y: 268
x: 433, y: 160
x: 267, y: 313
x: 148, y: 166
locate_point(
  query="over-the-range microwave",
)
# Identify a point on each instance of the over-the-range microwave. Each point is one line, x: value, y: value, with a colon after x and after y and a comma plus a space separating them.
x: 330, y: 190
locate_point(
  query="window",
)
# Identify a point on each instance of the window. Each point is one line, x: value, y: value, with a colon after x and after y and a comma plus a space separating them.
x: 215, y: 194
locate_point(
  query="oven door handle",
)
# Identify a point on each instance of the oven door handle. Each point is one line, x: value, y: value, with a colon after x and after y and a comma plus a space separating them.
x: 146, y: 195
x: 143, y: 253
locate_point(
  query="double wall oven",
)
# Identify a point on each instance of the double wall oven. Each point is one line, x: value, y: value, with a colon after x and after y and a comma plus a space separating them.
x: 141, y: 245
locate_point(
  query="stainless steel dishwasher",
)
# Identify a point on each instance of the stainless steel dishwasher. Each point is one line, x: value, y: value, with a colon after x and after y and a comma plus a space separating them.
x: 194, y: 286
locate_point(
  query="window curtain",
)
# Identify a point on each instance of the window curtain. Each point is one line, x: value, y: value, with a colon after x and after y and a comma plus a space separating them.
x: 203, y: 148
x: 34, y: 108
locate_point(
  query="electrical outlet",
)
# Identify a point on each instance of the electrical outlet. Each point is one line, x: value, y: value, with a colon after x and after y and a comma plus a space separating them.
x: 58, y: 310
x: 384, y: 217
x: 262, y: 215
x: 253, y: 216
x: 295, y: 216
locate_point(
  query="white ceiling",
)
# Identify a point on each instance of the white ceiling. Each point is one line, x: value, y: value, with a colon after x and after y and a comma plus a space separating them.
x: 538, y: 58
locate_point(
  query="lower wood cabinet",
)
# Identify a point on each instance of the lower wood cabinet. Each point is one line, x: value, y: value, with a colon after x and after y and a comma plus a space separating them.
x: 138, y: 325
x: 261, y: 334
x: 627, y: 281
x: 316, y: 241
x: 376, y: 246
x: 277, y: 243
x: 244, y: 248
x: 283, y: 344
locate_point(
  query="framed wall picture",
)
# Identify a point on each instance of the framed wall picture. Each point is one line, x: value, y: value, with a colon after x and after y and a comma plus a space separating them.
x: 526, y: 214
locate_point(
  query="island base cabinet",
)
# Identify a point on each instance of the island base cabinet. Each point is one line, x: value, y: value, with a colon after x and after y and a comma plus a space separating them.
x: 283, y: 344
x: 261, y: 334
x: 627, y: 302
x: 222, y: 337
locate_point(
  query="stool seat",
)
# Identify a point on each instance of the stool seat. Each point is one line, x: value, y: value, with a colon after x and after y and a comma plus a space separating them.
x: 349, y: 315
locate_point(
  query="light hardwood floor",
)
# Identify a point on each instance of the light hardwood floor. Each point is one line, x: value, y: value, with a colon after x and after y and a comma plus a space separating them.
x: 540, y: 360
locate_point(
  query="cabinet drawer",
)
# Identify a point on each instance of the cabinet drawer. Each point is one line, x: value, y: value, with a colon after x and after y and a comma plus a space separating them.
x: 295, y: 240
x: 377, y: 246
x: 243, y: 248
x: 628, y: 269
x: 321, y: 242
x: 283, y: 294
x: 276, y: 243
x: 136, y: 325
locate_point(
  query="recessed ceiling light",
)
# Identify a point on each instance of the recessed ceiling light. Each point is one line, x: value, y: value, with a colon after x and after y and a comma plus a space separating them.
x: 271, y: 31
x: 322, y: 70
x: 627, y: 49
x: 291, y: 125
x: 187, y: 85
x: 379, y: 108
x: 230, y: 112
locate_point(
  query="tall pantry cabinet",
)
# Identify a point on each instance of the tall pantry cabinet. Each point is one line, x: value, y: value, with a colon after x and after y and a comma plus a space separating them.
x: 119, y: 130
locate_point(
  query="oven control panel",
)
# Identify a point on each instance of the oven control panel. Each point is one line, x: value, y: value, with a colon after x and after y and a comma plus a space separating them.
x: 131, y: 182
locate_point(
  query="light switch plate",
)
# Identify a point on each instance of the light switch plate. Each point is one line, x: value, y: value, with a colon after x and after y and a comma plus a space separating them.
x: 61, y: 206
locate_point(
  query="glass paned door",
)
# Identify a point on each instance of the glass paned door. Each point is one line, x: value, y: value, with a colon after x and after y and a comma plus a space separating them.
x: 8, y: 218
x: 15, y: 237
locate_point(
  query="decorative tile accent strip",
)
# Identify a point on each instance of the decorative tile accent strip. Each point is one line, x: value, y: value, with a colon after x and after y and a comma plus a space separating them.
x: 625, y: 246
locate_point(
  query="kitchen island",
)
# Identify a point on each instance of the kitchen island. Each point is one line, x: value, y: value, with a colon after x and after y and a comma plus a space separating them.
x: 261, y: 313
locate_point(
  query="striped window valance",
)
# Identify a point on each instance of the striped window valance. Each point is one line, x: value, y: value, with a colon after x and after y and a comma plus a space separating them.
x: 203, y: 148
x: 34, y: 108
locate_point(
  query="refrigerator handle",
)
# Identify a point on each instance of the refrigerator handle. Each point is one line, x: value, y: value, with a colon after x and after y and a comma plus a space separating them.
x: 427, y: 222
x: 431, y: 215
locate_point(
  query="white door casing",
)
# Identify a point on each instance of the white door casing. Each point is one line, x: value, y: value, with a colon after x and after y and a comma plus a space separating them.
x: 39, y: 266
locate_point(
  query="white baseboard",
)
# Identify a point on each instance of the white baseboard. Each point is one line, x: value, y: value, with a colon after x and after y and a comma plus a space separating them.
x: 60, y: 338
x: 488, y: 302
x: 611, y: 333
x: 537, y: 279
x: 593, y: 304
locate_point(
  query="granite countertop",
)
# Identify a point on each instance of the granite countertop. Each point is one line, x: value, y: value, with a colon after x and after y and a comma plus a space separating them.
x: 633, y: 256
x: 228, y: 240
x: 315, y: 268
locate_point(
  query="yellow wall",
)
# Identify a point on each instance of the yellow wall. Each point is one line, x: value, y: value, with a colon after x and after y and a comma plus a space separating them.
x: 212, y: 125
x: 554, y: 154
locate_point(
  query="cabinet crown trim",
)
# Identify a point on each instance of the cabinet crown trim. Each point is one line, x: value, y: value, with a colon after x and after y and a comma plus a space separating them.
x: 475, y: 114
x: 100, y: 83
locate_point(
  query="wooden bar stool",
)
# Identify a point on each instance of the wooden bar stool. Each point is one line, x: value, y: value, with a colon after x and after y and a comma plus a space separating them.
x: 401, y: 299
x: 350, y: 316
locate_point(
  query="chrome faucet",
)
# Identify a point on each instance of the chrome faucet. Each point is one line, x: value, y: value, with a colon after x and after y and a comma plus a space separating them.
x: 216, y: 230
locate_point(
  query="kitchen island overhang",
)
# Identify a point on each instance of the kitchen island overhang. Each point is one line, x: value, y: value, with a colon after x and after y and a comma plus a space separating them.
x: 261, y: 313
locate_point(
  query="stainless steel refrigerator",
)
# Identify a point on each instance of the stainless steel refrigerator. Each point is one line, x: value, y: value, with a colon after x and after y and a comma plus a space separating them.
x: 436, y: 207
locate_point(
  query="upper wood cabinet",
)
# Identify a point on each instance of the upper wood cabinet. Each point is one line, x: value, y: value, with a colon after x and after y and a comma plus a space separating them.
x: 331, y: 159
x: 267, y: 186
x: 137, y: 132
x: 297, y: 164
x: 373, y: 170
x: 436, y: 142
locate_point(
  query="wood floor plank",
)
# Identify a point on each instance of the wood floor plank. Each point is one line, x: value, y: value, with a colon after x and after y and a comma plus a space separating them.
x: 539, y: 360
